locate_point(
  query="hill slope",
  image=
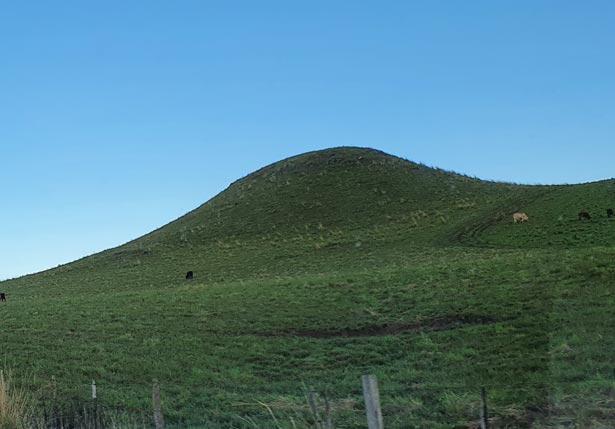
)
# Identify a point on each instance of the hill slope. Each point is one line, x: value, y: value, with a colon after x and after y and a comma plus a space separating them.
x: 321, y: 209
x: 346, y: 188
x: 328, y: 265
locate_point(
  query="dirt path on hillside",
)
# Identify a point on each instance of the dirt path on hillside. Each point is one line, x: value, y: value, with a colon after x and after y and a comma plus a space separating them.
x: 435, y: 324
x: 470, y: 232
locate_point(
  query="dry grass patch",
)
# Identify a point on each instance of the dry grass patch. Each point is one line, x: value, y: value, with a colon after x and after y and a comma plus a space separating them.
x: 14, y: 404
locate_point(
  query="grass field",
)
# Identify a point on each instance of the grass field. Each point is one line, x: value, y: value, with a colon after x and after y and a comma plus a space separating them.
x: 321, y: 268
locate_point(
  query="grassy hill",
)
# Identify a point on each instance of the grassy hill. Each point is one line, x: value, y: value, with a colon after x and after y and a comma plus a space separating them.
x: 332, y: 264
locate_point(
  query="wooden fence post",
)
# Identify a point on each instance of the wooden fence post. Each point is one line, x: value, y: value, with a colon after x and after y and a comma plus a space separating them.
x: 314, y: 408
x: 484, y: 415
x: 328, y: 413
x: 372, y: 402
x: 158, y: 417
x: 95, y: 401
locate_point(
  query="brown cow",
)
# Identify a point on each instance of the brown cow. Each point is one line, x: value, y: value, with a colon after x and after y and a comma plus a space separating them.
x: 520, y: 217
x: 584, y: 215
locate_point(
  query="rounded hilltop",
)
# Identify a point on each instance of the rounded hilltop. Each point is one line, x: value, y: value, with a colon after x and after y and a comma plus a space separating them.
x: 351, y: 198
x: 363, y: 189
x: 342, y: 187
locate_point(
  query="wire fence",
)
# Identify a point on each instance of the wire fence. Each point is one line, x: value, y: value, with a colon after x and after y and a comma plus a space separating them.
x: 464, y: 403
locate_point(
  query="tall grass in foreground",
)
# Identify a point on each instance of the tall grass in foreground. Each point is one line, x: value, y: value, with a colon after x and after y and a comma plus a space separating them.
x: 18, y: 410
x: 14, y: 404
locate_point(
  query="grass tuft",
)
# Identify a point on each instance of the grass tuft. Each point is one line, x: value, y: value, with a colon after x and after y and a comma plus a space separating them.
x: 15, y: 403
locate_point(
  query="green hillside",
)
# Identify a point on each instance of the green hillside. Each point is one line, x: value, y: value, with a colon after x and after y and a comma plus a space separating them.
x: 320, y: 268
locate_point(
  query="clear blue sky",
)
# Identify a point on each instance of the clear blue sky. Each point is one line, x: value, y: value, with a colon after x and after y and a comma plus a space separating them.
x: 117, y: 117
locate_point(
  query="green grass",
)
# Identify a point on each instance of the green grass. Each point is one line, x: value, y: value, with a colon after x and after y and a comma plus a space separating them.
x: 346, y: 240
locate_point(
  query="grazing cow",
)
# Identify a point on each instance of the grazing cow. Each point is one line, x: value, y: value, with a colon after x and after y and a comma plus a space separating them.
x: 520, y: 217
x: 2, y: 296
x: 584, y: 215
x: 609, y: 212
x: 189, y: 275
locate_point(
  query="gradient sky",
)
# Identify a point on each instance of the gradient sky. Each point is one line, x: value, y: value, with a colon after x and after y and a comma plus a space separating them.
x: 117, y: 117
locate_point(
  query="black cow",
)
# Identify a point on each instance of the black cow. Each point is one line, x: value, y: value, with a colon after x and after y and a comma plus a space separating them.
x: 2, y: 296
x: 609, y: 212
x: 584, y: 215
x: 189, y: 275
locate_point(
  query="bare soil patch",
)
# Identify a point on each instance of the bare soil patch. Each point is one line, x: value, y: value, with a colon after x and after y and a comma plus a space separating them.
x: 435, y: 324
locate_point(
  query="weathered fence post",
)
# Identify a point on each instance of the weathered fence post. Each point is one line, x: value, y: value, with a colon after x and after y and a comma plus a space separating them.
x: 328, y: 413
x: 372, y: 402
x: 158, y: 417
x: 95, y: 401
x: 314, y: 408
x: 484, y: 416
